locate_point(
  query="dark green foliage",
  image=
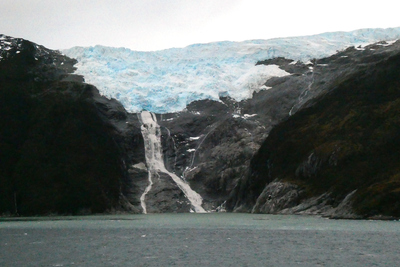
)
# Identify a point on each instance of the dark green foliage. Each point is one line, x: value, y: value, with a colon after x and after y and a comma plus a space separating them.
x: 350, y: 139
x: 57, y: 155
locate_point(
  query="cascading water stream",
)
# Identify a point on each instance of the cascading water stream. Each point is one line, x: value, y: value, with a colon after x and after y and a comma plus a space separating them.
x: 173, y: 141
x: 303, y: 94
x: 155, y: 163
x: 197, y: 148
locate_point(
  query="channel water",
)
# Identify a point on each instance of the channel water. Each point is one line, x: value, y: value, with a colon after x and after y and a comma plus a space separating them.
x: 208, y: 239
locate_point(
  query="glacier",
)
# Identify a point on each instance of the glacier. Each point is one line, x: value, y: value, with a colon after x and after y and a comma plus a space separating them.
x: 167, y: 80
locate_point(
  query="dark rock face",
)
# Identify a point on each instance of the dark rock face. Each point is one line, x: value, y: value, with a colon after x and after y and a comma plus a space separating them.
x: 63, y: 147
x: 338, y: 152
x: 210, y: 146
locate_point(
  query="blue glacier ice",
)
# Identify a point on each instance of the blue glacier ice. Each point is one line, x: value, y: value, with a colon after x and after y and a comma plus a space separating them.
x: 167, y: 80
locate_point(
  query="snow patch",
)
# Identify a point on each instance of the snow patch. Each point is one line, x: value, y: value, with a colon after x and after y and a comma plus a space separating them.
x: 255, y: 78
x: 264, y: 87
x: 388, y: 43
x: 246, y: 116
x: 140, y: 166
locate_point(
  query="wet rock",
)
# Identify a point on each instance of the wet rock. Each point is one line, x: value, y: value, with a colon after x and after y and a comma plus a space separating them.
x: 276, y: 197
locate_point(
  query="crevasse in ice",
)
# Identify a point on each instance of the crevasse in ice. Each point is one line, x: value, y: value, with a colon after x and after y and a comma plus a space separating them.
x: 167, y: 80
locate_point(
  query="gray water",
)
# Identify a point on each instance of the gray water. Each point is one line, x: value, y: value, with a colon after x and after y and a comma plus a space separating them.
x: 198, y: 240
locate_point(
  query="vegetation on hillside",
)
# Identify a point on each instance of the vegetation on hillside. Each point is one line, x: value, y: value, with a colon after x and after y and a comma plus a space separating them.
x: 348, y: 140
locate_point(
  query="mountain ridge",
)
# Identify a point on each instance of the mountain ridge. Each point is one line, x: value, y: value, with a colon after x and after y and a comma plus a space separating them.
x: 212, y: 143
x: 60, y: 148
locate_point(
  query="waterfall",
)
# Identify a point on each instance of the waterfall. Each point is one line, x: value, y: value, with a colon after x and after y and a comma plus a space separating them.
x: 304, y: 93
x: 155, y: 163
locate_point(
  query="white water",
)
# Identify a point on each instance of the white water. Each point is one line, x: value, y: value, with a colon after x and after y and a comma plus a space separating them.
x: 303, y: 94
x: 149, y: 153
x: 153, y: 150
x: 143, y: 196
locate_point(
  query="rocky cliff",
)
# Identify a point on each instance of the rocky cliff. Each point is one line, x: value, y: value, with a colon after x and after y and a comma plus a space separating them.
x: 63, y: 146
x: 338, y: 155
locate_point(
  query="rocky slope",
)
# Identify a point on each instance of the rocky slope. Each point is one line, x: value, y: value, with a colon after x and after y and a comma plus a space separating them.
x: 338, y: 156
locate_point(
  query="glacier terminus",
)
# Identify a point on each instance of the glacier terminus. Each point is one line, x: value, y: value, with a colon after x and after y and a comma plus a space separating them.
x: 167, y: 80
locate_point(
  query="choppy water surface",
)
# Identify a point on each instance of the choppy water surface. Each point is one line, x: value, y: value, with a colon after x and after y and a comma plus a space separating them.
x: 198, y: 240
